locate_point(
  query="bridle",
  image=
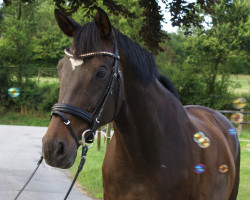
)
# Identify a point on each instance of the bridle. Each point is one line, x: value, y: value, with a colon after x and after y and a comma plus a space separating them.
x: 93, y: 119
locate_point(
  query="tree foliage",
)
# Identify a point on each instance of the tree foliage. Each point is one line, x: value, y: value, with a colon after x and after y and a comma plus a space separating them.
x: 183, y: 13
x: 17, y: 32
x: 201, y: 64
x: 30, y: 35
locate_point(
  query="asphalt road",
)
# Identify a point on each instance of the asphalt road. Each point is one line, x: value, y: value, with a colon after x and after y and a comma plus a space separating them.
x: 20, y: 149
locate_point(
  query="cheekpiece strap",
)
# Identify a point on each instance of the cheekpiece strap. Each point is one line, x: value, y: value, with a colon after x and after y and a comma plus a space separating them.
x: 67, y: 123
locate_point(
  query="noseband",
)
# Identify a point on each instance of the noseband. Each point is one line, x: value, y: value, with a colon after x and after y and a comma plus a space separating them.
x: 92, y: 119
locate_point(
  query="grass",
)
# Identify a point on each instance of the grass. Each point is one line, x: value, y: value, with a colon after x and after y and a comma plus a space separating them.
x: 245, y: 135
x: 244, y: 189
x: 45, y: 80
x: 91, y: 177
x: 243, y: 81
x: 28, y: 118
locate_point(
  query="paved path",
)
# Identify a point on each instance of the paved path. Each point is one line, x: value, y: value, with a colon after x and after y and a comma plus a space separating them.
x: 20, y: 149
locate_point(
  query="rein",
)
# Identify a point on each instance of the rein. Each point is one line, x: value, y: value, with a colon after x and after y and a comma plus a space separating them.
x: 93, y: 119
x: 80, y: 166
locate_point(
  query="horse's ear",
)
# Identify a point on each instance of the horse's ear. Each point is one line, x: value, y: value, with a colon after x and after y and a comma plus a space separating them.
x: 103, y: 24
x: 66, y: 24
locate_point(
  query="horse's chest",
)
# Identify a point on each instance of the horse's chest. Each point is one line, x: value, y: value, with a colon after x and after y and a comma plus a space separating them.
x: 127, y: 190
x: 124, y: 185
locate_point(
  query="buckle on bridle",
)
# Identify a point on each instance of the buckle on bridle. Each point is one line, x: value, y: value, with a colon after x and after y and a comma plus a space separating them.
x: 67, y: 123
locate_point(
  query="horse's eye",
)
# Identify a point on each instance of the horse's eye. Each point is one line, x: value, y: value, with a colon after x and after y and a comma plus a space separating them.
x: 101, y: 74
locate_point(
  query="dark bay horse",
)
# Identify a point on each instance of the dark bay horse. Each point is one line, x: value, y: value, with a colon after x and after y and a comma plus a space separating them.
x: 154, y: 153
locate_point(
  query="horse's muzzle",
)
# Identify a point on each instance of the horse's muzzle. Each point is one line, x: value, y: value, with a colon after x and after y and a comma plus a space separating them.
x: 57, y: 153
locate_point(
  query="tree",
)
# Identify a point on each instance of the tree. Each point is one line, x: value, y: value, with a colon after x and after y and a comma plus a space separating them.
x: 30, y: 37
x: 17, y: 32
x: 183, y: 13
x: 49, y: 42
x: 45, y: 43
x: 209, y: 51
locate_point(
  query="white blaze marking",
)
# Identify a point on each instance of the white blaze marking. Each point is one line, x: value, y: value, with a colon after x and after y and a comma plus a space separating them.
x: 75, y: 63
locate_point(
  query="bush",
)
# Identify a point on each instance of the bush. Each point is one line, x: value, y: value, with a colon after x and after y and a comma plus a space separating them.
x: 32, y: 97
x: 6, y: 82
x: 193, y: 87
x: 49, y: 96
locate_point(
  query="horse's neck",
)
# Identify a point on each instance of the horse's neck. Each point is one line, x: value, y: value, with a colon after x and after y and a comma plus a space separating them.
x: 150, y: 122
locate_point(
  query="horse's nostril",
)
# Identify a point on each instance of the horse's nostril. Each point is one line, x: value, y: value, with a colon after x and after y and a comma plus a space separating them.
x: 61, y: 149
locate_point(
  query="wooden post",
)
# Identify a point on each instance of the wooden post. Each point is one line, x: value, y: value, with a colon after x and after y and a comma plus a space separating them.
x: 39, y: 75
x: 240, y: 125
x: 108, y: 136
x: 104, y: 138
x: 99, y: 139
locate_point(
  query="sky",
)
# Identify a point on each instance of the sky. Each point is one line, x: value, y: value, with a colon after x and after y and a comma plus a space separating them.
x: 166, y: 27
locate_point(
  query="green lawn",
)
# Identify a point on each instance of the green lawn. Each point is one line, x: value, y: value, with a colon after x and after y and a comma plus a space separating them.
x: 244, y: 189
x: 244, y: 83
x: 29, y: 118
x: 91, y: 177
x: 45, y: 80
x: 242, y: 80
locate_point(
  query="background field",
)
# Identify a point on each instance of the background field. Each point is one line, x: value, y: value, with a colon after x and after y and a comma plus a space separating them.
x: 198, y: 59
x: 243, y: 82
x: 91, y: 177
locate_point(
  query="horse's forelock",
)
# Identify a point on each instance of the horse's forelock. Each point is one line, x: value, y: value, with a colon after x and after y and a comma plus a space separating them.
x: 87, y: 39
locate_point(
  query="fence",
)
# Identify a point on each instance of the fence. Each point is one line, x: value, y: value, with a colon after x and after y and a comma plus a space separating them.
x: 239, y: 129
x: 46, y: 72
x: 107, y: 131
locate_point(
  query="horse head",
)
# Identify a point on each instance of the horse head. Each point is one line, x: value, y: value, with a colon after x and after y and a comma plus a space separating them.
x: 90, y: 79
